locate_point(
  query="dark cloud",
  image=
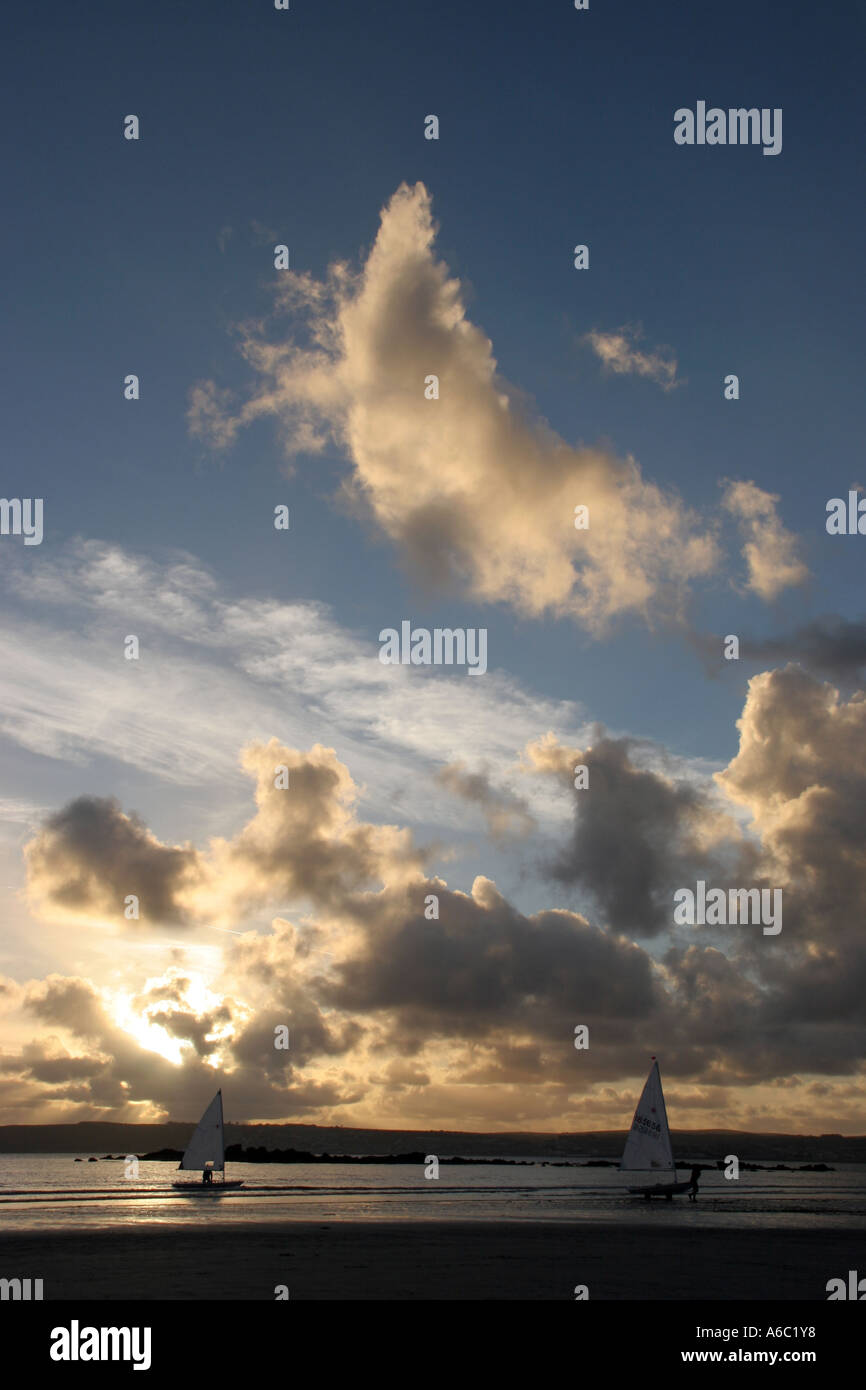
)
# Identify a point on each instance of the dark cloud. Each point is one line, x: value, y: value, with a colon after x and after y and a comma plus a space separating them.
x: 198, y: 1029
x: 70, y: 1002
x: 172, y: 991
x: 506, y: 815
x: 118, y: 1075
x: 472, y: 1013
x: 91, y: 855
x: 637, y: 837
x: 831, y: 647
x: 483, y: 965
x: 52, y: 1067
x: 303, y: 842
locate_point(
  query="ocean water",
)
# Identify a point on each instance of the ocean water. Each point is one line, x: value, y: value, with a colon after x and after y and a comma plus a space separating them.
x: 53, y: 1192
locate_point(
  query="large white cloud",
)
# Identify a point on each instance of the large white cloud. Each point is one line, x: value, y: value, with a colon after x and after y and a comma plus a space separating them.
x: 473, y: 491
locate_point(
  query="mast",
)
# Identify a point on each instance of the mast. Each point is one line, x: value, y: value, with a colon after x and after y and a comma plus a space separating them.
x: 222, y: 1136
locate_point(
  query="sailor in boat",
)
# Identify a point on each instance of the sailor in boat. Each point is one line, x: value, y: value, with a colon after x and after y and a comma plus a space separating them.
x: 205, y: 1153
x: 694, y: 1175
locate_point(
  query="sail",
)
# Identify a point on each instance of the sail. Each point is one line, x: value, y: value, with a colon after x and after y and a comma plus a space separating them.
x: 649, y: 1142
x: 206, y: 1148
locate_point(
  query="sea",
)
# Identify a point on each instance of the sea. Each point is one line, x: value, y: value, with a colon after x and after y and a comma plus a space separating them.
x: 54, y: 1192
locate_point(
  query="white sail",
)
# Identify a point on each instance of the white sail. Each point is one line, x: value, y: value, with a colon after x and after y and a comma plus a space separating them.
x: 206, y: 1148
x: 649, y: 1142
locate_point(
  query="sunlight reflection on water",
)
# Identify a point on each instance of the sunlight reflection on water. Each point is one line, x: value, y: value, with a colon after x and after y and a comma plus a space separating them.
x: 42, y: 1191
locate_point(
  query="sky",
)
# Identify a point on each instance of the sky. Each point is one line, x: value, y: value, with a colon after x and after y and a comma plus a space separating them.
x: 394, y: 861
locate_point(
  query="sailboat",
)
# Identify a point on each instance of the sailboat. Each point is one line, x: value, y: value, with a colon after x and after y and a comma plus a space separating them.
x: 206, y: 1151
x: 648, y: 1146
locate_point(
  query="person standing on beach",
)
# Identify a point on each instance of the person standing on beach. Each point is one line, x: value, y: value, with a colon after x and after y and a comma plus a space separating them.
x: 693, y: 1183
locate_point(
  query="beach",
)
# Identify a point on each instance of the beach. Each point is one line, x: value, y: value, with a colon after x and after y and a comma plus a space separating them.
x: 423, y: 1260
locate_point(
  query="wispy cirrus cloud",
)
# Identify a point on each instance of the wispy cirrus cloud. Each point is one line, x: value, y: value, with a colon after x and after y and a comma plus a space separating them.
x: 67, y: 693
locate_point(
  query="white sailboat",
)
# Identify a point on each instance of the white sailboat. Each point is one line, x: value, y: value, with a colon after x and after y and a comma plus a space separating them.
x: 206, y: 1153
x: 648, y: 1146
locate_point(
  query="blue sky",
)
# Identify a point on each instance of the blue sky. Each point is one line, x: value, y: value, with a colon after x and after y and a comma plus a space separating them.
x: 556, y: 128
x: 259, y: 127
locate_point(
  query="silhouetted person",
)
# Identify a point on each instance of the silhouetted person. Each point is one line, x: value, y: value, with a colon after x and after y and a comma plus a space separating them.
x: 693, y: 1183
x: 206, y: 1176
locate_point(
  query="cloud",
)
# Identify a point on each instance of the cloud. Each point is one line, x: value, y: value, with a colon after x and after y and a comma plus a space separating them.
x: 618, y: 353
x: 484, y: 968
x: 189, y: 1013
x: 367, y: 978
x: 801, y: 773
x: 506, y: 815
x: 209, y: 414
x: 90, y: 856
x: 468, y: 1018
x: 10, y: 991
x: 638, y: 833
x: 476, y: 495
x: 303, y: 842
x: 829, y: 646
x: 200, y: 1031
x: 770, y: 551
x: 67, y: 693
x: 44, y: 1061
x: 121, y: 1077
x: 73, y: 1003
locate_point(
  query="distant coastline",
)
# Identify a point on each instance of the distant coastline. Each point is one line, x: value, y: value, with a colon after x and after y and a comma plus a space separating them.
x: 382, y: 1145
x: 236, y: 1154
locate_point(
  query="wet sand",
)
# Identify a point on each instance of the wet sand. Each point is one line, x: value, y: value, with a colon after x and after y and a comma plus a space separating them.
x: 427, y: 1260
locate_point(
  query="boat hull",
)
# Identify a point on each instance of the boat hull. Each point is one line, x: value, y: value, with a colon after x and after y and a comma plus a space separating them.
x: 659, y: 1189
x: 194, y: 1188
